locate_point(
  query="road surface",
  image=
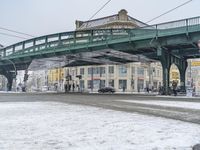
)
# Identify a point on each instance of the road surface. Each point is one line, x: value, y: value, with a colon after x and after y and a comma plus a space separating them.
x: 117, y: 102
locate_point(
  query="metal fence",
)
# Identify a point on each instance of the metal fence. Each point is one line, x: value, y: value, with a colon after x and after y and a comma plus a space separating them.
x: 69, y: 39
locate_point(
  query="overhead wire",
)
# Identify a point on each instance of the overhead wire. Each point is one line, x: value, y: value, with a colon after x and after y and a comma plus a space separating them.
x: 22, y: 33
x: 14, y: 31
x: 11, y: 35
x: 169, y: 11
x: 99, y: 10
x: 102, y: 7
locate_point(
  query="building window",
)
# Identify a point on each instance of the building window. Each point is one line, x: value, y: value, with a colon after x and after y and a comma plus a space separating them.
x: 89, y: 71
x: 140, y: 71
x: 155, y: 85
x: 102, y: 83
x: 82, y: 84
x: 102, y: 70
x: 96, y: 70
x: 140, y: 84
x: 158, y: 73
x: 89, y: 84
x: 122, y: 84
x: 82, y: 71
x: 111, y: 83
x: 122, y: 71
x: 154, y: 72
x: 111, y: 69
x: 96, y: 84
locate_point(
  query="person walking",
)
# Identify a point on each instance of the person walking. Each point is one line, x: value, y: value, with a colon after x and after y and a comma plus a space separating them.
x: 174, y: 87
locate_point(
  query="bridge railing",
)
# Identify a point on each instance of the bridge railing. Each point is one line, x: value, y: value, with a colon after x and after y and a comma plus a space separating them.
x: 76, y: 38
x: 67, y: 39
x: 175, y: 24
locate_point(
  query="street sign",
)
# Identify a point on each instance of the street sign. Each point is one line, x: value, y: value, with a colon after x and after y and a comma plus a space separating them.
x: 195, y: 63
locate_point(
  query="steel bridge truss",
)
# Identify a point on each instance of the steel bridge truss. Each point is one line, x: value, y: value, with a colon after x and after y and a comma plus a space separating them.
x: 169, y: 42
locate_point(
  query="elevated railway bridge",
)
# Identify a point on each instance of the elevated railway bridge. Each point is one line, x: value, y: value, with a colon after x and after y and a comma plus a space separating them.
x: 170, y: 43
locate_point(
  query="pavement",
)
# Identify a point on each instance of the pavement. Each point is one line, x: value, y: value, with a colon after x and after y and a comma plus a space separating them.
x: 114, y: 102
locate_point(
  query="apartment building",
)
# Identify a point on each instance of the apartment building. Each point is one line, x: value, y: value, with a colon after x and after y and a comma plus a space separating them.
x: 132, y: 77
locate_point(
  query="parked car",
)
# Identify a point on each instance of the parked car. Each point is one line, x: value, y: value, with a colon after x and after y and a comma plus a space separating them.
x: 106, y: 90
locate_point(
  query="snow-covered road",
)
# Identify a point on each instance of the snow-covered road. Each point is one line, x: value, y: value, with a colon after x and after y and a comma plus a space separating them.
x: 49, y: 126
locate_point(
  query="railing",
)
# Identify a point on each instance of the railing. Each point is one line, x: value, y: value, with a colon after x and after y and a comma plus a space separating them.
x: 70, y: 39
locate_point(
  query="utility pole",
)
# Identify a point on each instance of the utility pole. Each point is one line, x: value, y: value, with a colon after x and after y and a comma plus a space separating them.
x: 92, y: 84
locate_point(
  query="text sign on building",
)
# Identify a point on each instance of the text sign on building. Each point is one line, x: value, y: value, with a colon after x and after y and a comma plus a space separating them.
x: 195, y: 63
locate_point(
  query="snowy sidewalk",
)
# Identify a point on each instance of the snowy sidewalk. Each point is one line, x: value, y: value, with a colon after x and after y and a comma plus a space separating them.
x: 49, y: 126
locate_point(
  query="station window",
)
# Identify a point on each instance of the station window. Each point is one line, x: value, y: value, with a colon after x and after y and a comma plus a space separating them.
x: 122, y: 70
x: 111, y: 83
x: 122, y: 84
x: 82, y: 71
x: 111, y: 69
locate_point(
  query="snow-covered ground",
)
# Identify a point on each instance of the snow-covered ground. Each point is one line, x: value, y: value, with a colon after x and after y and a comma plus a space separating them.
x: 189, y: 105
x: 58, y: 126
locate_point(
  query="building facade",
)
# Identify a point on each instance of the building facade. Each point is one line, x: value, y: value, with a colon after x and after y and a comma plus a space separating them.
x: 133, y: 77
x: 56, y: 79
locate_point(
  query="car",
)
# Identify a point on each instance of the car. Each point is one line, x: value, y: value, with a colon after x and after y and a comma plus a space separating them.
x: 106, y: 90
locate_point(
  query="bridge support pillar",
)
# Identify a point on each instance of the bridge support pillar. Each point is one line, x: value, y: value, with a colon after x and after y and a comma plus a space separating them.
x: 182, y: 69
x: 166, y: 69
x: 10, y: 76
x: 9, y: 84
x: 167, y: 59
x: 164, y: 57
x: 166, y: 79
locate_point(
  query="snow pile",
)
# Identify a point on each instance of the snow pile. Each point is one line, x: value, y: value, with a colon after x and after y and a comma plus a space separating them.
x: 189, y: 105
x: 57, y: 126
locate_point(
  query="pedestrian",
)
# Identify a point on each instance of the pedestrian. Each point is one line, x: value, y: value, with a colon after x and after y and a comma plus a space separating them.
x: 174, y: 87
x: 78, y: 87
x: 124, y: 88
x: 147, y: 89
x: 69, y: 88
x: 73, y: 86
x: 66, y: 88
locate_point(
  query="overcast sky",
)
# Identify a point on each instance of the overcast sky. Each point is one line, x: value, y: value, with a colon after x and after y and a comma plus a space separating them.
x: 41, y: 17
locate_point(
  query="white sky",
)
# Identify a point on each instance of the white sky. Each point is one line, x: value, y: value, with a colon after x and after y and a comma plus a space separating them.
x: 40, y: 17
